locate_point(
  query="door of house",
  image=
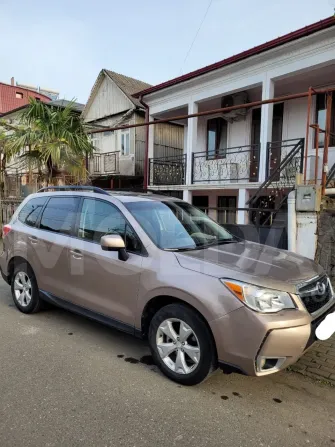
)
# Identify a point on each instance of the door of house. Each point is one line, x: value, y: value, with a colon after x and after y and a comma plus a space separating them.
x: 200, y: 202
x: 276, y: 139
x: 255, y: 144
x: 227, y: 215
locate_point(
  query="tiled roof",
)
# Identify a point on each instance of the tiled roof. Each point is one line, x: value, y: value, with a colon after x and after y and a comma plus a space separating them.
x: 9, y: 101
x: 128, y: 85
x: 302, y: 32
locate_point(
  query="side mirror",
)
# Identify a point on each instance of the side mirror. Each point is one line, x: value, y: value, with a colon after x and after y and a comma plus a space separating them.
x: 114, y: 242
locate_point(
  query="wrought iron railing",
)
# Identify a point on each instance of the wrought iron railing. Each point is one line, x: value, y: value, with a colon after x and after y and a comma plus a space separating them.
x: 160, y: 151
x: 331, y: 176
x: 284, y: 162
x: 107, y: 163
x: 167, y: 170
x: 230, y: 165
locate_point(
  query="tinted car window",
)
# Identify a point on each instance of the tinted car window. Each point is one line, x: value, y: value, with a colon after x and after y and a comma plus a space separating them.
x: 31, y: 211
x: 99, y: 218
x: 59, y: 214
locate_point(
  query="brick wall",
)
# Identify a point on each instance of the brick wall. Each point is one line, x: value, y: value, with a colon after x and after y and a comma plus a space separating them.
x: 319, y: 361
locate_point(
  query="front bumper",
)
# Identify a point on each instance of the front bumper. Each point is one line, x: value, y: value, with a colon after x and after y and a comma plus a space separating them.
x: 244, y: 339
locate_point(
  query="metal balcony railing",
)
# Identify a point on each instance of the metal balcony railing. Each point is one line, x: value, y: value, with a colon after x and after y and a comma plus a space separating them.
x: 107, y: 163
x: 229, y: 165
x: 167, y: 170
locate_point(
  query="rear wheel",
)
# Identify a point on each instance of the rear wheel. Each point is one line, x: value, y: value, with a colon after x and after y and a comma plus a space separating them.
x: 24, y: 289
x: 181, y: 344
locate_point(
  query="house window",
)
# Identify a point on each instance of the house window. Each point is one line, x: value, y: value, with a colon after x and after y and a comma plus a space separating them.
x: 37, y: 99
x: 125, y: 142
x: 227, y: 215
x: 18, y: 95
x: 216, y: 138
x: 108, y: 133
x: 321, y: 112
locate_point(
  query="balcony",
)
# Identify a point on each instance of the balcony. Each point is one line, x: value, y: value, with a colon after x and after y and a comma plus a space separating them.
x: 167, y: 170
x: 231, y: 165
x: 107, y: 163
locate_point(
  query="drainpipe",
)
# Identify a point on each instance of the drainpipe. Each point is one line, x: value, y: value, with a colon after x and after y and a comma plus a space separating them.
x: 146, y: 146
x: 291, y: 222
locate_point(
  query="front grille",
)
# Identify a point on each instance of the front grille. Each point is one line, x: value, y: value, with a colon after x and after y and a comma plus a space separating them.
x: 316, y: 293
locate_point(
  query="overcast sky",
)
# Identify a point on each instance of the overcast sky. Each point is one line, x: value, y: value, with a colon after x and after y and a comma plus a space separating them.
x: 62, y: 45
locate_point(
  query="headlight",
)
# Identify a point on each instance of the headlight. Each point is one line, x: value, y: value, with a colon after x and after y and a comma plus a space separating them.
x: 259, y: 299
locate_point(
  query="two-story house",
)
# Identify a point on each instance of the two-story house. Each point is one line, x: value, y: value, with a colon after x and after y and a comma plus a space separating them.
x: 119, y: 158
x: 248, y: 157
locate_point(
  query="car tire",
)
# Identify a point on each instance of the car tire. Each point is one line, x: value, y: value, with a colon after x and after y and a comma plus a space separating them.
x: 24, y: 281
x: 189, y: 333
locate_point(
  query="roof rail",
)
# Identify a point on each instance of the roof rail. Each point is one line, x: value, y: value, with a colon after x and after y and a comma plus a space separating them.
x: 74, y: 188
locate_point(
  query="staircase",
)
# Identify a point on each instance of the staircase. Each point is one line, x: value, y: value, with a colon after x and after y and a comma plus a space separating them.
x: 284, y: 162
x: 330, y: 182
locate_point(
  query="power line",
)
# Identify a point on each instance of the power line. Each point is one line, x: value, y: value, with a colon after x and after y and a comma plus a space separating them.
x: 196, y: 35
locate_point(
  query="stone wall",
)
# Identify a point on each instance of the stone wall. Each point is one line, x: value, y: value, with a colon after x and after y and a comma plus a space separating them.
x: 319, y: 361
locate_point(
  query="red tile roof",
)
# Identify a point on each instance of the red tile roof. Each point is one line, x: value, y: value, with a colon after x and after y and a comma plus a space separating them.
x: 8, y: 100
x: 302, y: 32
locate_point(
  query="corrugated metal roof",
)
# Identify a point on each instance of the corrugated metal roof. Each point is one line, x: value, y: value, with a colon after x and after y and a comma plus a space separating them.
x: 128, y: 85
x: 302, y: 32
x: 77, y: 106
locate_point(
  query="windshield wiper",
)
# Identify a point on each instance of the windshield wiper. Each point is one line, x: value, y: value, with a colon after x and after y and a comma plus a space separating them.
x: 181, y: 249
x: 222, y: 242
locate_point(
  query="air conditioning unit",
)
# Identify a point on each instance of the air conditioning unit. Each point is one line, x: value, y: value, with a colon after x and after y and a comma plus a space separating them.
x: 235, y: 99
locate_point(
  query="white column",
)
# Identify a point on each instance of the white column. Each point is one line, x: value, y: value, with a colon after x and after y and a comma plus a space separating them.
x: 242, y: 216
x: 151, y: 150
x: 191, y: 140
x: 187, y: 195
x: 266, y: 125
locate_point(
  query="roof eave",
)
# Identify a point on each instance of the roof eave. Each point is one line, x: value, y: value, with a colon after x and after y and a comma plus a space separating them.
x: 300, y: 33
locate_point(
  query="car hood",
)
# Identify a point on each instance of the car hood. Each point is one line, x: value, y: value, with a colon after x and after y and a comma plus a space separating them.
x: 250, y: 262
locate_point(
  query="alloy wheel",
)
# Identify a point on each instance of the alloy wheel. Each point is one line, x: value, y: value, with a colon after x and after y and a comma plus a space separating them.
x: 178, y: 346
x: 22, y: 289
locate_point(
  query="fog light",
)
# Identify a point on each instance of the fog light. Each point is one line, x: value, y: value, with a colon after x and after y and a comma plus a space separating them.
x: 269, y: 364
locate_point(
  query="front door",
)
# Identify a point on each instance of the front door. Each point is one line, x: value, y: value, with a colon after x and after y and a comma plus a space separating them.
x: 255, y: 144
x: 276, y: 140
x: 99, y: 280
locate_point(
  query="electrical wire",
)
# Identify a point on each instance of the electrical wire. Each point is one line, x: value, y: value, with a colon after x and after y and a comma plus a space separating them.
x: 196, y: 35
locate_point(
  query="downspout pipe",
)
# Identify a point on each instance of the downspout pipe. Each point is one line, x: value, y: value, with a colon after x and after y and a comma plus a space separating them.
x: 291, y: 222
x: 146, y: 145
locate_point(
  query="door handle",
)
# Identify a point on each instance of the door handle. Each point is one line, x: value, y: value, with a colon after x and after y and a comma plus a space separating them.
x: 77, y: 254
x: 33, y: 239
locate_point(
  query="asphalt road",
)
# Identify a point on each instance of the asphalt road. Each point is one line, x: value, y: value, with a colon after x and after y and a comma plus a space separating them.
x: 67, y: 381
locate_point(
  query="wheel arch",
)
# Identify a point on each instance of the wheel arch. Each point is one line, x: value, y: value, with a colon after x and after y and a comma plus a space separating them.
x: 158, y: 302
x: 15, y: 260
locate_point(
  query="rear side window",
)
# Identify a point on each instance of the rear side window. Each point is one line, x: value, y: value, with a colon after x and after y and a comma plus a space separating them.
x: 59, y: 214
x: 31, y: 211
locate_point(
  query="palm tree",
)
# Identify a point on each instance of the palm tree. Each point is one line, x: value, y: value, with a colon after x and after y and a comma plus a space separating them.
x: 49, y: 138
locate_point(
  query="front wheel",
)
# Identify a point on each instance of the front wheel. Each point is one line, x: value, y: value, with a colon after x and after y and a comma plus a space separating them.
x: 181, y: 344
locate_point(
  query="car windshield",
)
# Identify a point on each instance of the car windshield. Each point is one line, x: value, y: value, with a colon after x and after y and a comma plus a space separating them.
x: 177, y: 225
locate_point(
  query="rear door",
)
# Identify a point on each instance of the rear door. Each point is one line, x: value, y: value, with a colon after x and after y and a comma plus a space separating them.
x: 52, y: 245
x: 99, y: 280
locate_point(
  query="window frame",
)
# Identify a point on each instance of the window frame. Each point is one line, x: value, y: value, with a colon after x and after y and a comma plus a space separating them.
x: 123, y: 134
x: 36, y: 226
x: 143, y: 252
x: 38, y: 223
x: 216, y: 155
x: 18, y: 95
x: 332, y: 123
